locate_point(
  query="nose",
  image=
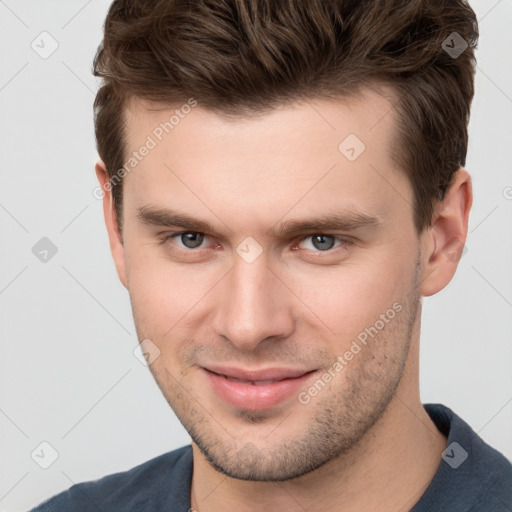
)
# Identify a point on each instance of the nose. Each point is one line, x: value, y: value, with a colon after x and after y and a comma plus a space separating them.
x: 254, y: 306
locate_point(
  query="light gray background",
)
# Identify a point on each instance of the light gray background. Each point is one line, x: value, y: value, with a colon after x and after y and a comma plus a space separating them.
x: 67, y: 370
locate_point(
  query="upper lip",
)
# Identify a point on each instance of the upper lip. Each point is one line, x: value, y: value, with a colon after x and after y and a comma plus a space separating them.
x: 257, y: 375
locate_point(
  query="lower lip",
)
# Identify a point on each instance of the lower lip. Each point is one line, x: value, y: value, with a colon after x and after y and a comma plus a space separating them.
x: 253, y: 397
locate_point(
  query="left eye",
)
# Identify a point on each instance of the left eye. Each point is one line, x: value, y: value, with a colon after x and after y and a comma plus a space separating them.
x: 321, y: 242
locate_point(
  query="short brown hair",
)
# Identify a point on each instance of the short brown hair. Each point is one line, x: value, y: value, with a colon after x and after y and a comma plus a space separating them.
x: 244, y: 57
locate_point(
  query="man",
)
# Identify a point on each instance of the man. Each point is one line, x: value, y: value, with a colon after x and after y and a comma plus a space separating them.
x: 283, y: 182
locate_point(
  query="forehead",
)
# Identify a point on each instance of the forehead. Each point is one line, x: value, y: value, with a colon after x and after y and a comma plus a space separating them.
x: 360, y: 112
x: 329, y: 152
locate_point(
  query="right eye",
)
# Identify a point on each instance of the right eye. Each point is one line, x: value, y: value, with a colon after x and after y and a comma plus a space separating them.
x: 189, y: 239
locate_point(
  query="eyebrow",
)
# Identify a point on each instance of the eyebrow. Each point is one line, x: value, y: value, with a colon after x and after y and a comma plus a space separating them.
x: 337, y: 221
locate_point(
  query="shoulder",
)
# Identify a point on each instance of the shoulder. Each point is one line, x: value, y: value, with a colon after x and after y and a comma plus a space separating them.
x: 155, y: 483
x: 472, y: 474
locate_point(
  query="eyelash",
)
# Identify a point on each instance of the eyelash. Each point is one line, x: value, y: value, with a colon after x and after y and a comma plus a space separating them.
x: 345, y: 243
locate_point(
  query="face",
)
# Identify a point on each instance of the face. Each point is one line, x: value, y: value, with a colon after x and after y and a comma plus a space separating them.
x: 274, y: 267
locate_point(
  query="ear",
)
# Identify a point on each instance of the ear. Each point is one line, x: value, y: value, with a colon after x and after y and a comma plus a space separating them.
x: 111, y: 222
x: 443, y: 243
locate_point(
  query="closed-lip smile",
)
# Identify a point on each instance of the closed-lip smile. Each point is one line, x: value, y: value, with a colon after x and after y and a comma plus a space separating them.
x: 255, y: 389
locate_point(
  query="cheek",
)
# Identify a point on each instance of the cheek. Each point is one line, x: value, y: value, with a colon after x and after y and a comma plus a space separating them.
x: 344, y: 300
x: 162, y: 292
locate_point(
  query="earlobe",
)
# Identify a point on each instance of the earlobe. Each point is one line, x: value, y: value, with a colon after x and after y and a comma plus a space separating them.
x: 111, y: 223
x: 444, y: 240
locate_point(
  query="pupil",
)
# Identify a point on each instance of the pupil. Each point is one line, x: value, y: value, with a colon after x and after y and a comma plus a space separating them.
x: 192, y: 240
x: 319, y: 241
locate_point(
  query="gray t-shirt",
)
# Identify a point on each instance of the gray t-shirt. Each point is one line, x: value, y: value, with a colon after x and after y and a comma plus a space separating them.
x: 472, y: 477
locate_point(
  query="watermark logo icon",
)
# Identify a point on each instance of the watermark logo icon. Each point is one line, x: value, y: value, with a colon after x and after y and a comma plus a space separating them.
x: 249, y: 249
x: 44, y: 45
x: 454, y: 45
x: 454, y: 455
x: 44, y: 250
x: 147, y: 352
x: 351, y: 147
x: 455, y: 251
x: 44, y: 455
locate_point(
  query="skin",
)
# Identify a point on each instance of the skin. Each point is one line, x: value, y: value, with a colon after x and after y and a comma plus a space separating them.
x: 364, y: 441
